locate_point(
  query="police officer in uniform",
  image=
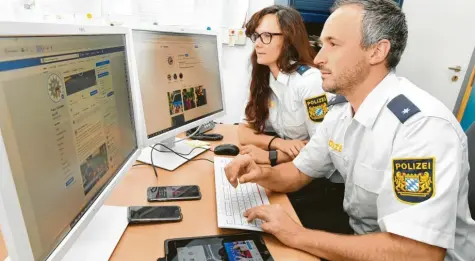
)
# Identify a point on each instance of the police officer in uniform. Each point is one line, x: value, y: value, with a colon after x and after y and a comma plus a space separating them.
x: 401, y: 152
x: 286, y: 98
x: 286, y: 103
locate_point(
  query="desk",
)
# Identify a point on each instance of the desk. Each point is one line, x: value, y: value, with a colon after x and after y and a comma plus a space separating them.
x: 145, y: 242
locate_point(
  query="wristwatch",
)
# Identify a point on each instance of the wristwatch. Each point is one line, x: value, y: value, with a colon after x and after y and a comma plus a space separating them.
x: 273, y: 157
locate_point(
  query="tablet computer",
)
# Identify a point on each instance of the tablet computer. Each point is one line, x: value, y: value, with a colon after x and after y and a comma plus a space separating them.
x: 242, y: 247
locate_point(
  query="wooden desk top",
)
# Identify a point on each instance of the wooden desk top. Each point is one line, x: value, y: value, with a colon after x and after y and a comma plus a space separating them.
x: 146, y: 242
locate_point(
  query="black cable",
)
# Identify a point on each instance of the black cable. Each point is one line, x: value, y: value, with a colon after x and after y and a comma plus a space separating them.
x: 151, y: 160
x: 183, y: 154
x: 179, y: 154
x: 139, y: 164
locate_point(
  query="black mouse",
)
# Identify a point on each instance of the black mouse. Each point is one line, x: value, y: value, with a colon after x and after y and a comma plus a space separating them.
x: 226, y: 149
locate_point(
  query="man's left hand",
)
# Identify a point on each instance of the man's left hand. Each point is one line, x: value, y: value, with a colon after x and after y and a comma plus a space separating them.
x: 259, y: 155
x: 276, y: 222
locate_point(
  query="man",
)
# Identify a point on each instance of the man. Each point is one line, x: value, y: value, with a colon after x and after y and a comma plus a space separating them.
x: 401, y: 152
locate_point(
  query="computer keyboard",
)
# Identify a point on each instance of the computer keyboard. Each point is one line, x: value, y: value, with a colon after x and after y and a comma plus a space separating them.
x: 233, y: 202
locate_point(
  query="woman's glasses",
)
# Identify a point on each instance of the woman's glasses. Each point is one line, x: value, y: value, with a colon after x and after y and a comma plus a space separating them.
x: 266, y: 37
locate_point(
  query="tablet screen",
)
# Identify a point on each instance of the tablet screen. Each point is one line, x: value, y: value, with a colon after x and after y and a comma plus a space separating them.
x: 233, y: 251
x: 224, y: 248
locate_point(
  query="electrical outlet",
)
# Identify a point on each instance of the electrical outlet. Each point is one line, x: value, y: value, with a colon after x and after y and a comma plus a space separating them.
x: 240, y: 37
x: 232, y: 37
x: 236, y: 37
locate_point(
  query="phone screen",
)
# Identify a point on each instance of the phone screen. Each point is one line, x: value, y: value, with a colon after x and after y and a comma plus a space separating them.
x: 162, y: 212
x: 173, y: 192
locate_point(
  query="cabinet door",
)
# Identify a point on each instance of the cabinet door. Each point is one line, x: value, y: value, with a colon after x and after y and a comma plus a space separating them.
x: 316, y: 11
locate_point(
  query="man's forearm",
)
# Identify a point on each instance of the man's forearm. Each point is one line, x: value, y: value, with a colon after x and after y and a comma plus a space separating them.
x: 283, y: 178
x: 247, y: 136
x: 370, y: 247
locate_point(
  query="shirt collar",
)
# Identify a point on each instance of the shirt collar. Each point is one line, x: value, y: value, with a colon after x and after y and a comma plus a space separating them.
x: 283, y: 78
x: 375, y: 101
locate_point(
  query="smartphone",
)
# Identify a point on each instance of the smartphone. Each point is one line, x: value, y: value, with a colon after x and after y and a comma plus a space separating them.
x: 171, y: 193
x: 150, y: 214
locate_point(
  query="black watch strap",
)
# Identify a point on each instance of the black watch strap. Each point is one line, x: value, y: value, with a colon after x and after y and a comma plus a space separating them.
x: 273, y: 157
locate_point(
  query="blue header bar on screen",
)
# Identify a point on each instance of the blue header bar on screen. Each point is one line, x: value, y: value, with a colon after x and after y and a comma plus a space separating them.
x: 30, y: 62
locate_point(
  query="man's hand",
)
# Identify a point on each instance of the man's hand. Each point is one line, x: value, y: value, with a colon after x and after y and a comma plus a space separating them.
x: 276, y: 222
x: 243, y: 168
x: 259, y: 155
x: 290, y: 147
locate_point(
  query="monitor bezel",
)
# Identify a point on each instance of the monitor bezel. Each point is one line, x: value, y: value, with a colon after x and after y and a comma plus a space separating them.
x: 177, y: 30
x: 11, y: 218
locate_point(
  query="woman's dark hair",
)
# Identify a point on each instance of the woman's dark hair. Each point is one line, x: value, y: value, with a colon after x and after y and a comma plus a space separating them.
x: 296, y: 48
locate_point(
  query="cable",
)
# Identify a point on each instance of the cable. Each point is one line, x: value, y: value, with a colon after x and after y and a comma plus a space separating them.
x: 184, y: 154
x: 140, y: 164
x: 151, y: 160
x: 189, y: 136
x: 178, y: 154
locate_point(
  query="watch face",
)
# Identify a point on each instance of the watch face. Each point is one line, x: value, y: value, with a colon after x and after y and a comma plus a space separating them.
x: 273, y: 157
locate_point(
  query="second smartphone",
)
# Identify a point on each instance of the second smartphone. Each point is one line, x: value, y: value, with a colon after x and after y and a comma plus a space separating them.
x: 173, y: 193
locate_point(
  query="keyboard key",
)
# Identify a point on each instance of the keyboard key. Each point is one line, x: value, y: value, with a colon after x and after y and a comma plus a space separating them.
x: 226, y: 194
x: 232, y: 202
x: 228, y: 209
x: 237, y: 219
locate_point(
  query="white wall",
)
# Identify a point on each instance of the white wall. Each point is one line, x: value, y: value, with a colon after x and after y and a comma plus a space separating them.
x: 236, y: 71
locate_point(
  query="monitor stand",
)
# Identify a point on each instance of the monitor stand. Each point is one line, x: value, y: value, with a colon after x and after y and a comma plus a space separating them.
x: 165, y: 159
x: 101, y: 236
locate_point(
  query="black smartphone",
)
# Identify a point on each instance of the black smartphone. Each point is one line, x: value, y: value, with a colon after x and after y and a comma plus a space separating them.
x: 150, y: 214
x: 172, y: 193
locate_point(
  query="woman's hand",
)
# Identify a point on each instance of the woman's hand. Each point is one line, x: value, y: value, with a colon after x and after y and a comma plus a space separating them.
x: 259, y: 155
x: 290, y: 147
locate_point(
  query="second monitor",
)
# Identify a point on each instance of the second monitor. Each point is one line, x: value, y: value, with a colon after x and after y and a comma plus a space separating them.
x: 180, y: 83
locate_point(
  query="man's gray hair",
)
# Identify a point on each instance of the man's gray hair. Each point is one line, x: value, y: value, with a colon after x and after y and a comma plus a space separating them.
x: 383, y: 19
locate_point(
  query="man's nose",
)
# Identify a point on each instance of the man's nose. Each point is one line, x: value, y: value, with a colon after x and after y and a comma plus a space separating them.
x: 320, y: 59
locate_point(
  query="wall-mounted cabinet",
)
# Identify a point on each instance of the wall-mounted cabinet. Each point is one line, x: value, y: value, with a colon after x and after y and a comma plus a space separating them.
x: 316, y: 11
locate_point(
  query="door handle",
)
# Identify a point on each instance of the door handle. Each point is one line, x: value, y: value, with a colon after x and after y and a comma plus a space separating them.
x: 456, y: 68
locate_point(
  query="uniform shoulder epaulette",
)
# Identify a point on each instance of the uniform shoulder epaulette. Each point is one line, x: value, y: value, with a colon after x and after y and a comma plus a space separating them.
x: 337, y: 100
x: 403, y: 108
x: 303, y: 68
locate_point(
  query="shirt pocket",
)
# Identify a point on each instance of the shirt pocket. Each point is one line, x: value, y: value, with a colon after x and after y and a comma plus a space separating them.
x: 339, y: 162
x: 367, y: 185
x: 293, y: 112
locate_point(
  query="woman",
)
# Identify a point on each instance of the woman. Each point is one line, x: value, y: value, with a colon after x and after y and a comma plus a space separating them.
x: 286, y: 95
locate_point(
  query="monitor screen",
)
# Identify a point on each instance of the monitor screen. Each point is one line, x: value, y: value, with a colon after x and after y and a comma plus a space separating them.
x: 179, y: 78
x: 67, y: 123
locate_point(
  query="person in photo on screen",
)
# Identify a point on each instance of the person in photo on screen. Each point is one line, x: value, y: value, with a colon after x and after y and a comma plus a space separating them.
x: 286, y: 101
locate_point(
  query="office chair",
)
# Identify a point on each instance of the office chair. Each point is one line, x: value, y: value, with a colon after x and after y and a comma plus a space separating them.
x: 471, y: 175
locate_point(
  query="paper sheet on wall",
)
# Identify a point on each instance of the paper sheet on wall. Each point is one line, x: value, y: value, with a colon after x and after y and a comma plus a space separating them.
x: 70, y: 7
x: 233, y: 13
x: 7, y: 11
x: 166, y: 12
x: 117, y: 7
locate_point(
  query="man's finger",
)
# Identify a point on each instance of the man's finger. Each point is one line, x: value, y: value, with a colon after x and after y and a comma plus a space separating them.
x: 261, y: 212
x: 267, y: 227
x: 252, y: 176
x: 233, y: 170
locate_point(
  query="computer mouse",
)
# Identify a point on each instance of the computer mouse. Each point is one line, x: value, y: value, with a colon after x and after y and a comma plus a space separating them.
x: 226, y: 149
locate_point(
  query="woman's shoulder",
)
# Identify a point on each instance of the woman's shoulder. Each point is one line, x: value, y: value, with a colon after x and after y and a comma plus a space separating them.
x: 308, y: 77
x: 306, y: 71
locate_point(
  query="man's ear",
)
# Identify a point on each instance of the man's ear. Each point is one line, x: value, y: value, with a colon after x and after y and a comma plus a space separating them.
x: 379, y: 52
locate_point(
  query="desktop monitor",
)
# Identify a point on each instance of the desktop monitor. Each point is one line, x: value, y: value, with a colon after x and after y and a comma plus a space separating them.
x: 179, y: 77
x: 67, y: 132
